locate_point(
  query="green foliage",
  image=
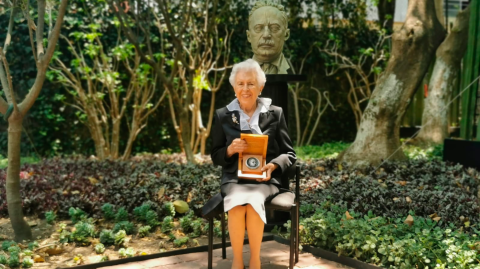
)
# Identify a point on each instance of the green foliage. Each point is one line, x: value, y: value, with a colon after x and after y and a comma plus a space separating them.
x: 389, y: 242
x: 129, y: 252
x: 167, y: 224
x: 3, y: 259
x: 430, y: 153
x: 144, y: 231
x: 104, y: 258
x: 120, y: 238
x: 181, y: 241
x: 32, y: 245
x: 14, y: 260
x: 127, y: 226
x: 186, y: 222
x: 197, y: 228
x: 151, y: 218
x: 7, y: 244
x: 50, y: 216
x: 108, y: 211
x: 76, y: 214
x: 140, y: 212
x: 14, y: 249
x: 326, y: 150
x: 107, y: 237
x: 83, y: 231
x: 422, y: 186
x: 27, y: 262
x: 99, y: 248
x: 27, y: 252
x: 168, y: 209
x: 122, y: 214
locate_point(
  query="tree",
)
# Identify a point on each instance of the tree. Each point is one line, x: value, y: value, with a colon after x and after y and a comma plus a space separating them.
x: 15, y: 112
x: 109, y: 85
x: 442, y: 81
x: 413, y: 47
x: 185, y: 61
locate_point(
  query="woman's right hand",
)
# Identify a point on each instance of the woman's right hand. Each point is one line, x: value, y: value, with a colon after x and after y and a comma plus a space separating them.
x: 238, y: 146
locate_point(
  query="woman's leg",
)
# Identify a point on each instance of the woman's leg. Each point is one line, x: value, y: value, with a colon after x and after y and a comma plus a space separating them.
x: 236, y: 228
x: 255, y: 227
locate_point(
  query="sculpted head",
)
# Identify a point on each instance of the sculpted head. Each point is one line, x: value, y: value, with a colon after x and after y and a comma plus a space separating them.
x: 267, y: 30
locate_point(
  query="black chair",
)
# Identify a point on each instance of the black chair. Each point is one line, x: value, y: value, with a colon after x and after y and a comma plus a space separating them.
x: 285, y: 201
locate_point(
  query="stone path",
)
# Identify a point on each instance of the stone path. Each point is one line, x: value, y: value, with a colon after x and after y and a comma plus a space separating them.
x: 273, y: 256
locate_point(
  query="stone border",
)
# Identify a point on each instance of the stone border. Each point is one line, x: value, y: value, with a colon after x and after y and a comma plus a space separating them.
x: 204, y: 248
x: 330, y: 255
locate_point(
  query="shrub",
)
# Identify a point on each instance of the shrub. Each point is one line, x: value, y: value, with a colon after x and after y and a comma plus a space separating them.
x: 27, y: 262
x: 169, y: 209
x: 186, y: 223
x: 14, y: 250
x: 32, y: 245
x: 99, y: 248
x: 127, y: 226
x: 167, y: 224
x: 14, y: 260
x: 107, y: 237
x: 7, y: 244
x: 424, y: 187
x: 120, y: 237
x: 3, y: 259
x: 108, y: 211
x: 82, y: 232
x: 122, y: 214
x: 389, y: 242
x: 144, y: 231
x: 129, y: 252
x: 76, y: 214
x: 180, y: 242
x: 27, y: 252
x: 50, y: 216
x: 151, y: 218
x: 140, y: 212
x: 196, y: 228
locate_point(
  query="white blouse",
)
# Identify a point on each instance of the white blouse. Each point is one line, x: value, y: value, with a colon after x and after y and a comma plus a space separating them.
x: 247, y: 123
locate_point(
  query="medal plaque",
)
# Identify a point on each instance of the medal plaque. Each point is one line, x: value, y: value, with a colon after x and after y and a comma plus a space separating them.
x: 251, y: 161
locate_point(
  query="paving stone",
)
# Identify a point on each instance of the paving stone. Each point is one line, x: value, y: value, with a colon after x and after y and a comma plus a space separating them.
x: 160, y: 261
x: 131, y: 265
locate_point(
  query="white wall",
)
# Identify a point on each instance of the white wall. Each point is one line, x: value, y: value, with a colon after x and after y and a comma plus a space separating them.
x: 401, y: 7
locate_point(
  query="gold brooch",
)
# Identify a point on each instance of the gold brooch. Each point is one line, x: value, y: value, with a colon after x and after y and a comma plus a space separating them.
x: 234, y: 119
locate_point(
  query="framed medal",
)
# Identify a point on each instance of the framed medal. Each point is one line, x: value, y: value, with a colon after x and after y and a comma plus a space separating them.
x: 251, y: 161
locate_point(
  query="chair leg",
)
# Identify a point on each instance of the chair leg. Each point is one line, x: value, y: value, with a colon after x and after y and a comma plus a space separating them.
x: 297, y: 232
x: 224, y: 244
x: 293, y: 212
x: 210, y: 243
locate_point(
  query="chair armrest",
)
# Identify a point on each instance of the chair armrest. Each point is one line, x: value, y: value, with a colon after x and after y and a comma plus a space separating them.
x: 297, y: 183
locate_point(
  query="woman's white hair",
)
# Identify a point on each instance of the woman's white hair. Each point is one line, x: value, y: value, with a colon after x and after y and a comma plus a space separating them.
x: 246, y: 66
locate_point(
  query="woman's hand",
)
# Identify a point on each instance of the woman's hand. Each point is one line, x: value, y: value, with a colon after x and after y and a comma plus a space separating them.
x: 270, y: 167
x: 238, y: 146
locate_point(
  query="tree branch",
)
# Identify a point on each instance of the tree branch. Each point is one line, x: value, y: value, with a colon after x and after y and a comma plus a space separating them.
x: 32, y: 95
x: 8, y: 39
x: 5, y: 80
x: 3, y: 106
x: 40, y: 26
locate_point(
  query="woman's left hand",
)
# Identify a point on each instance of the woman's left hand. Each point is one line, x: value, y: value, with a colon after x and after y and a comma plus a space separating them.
x: 269, y: 168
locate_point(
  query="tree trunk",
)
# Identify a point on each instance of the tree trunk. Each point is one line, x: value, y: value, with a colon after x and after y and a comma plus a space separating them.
x: 413, y: 48
x: 384, y: 8
x: 185, y: 132
x: 439, y: 11
x: 443, y: 80
x: 14, y: 200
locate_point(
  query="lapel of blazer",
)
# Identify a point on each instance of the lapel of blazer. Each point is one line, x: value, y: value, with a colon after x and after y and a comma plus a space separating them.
x: 264, y: 119
x: 230, y: 119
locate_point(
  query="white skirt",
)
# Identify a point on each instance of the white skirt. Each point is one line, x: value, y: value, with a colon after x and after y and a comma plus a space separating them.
x: 243, y: 194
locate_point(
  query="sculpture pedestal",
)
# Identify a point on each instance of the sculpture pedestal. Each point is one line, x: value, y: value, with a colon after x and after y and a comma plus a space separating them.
x: 276, y: 88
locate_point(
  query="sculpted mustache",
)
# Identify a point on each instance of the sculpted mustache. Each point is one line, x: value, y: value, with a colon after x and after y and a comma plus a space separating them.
x: 267, y: 42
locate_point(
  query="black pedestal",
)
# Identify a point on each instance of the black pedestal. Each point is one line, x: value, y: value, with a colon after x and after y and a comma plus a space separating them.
x: 276, y: 88
x: 464, y: 152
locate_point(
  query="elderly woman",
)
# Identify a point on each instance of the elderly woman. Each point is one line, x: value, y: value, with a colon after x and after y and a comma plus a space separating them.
x: 244, y: 199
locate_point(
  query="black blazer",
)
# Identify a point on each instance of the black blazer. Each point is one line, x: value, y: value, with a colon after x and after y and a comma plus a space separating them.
x: 272, y: 123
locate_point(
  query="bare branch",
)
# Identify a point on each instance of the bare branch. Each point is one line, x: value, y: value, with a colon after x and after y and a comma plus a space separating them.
x: 8, y: 39
x: 40, y: 26
x: 31, y: 26
x: 5, y: 80
x: 6, y: 72
x: 32, y: 95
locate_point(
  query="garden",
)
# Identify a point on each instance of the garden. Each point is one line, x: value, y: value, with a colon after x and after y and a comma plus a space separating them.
x: 105, y: 142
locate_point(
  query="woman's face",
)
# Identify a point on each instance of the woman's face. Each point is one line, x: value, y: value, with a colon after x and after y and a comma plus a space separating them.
x: 246, y: 88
